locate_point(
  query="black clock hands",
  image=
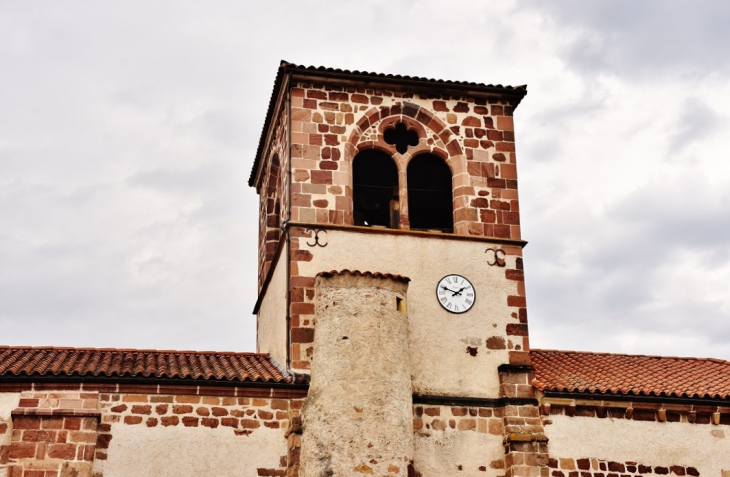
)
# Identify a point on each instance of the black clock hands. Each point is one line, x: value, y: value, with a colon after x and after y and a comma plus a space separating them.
x: 454, y: 293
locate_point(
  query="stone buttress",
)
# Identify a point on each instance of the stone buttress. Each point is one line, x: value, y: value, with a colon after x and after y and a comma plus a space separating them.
x: 358, y: 417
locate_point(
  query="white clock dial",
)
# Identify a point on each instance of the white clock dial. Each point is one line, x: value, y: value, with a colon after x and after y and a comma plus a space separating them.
x: 456, y: 294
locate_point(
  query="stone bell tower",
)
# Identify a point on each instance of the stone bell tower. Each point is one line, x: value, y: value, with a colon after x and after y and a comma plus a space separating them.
x: 389, y: 239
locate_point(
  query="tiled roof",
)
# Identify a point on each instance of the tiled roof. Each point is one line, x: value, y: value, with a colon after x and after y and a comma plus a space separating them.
x: 518, y: 92
x: 332, y: 273
x: 573, y: 371
x: 109, y: 363
x: 399, y: 78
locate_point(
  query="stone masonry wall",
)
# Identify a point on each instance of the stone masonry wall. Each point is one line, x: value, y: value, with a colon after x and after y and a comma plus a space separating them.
x: 458, y: 440
x: 273, y: 199
x: 593, y: 467
x: 54, y: 434
x: 475, y: 136
x: 243, y: 416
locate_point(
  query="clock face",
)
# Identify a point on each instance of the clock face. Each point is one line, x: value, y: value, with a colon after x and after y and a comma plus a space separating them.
x: 456, y: 294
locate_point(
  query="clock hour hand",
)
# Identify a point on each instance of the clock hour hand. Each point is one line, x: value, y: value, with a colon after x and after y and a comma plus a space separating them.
x: 457, y: 292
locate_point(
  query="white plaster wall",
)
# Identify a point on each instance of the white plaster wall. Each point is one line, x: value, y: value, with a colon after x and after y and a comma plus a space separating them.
x: 271, y: 336
x: 191, y: 452
x: 8, y: 402
x: 442, y: 452
x: 703, y: 446
x: 438, y: 339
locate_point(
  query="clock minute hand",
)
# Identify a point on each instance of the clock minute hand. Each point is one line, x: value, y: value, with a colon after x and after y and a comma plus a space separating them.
x: 447, y: 289
x: 458, y: 292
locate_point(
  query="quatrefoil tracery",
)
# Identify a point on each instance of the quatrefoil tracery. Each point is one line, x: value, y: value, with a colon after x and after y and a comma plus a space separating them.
x: 401, y: 137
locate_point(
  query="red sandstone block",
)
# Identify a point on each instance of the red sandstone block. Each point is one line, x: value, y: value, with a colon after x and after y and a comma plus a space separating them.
x: 72, y: 423
x: 62, y: 451
x: 142, y: 409
x: 152, y: 421
x: 28, y: 403
x: 161, y: 408
x: 229, y: 422
x: 271, y: 472
x: 461, y: 107
x: 182, y: 409
x: 51, y: 423
x: 170, y: 421
x: 250, y: 424
x: 189, y: 421
x: 82, y: 436
x: 134, y: 398
x: 132, y: 420
x: 516, y: 301
x: 26, y: 422
x: 17, y: 450
x: 32, y: 435
x: 303, y: 335
x: 265, y: 415
x: 103, y: 440
x: 219, y: 411
x: 514, y: 329
x: 209, y: 422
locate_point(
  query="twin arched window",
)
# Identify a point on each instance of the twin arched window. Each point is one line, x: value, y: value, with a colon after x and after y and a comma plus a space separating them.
x: 378, y: 194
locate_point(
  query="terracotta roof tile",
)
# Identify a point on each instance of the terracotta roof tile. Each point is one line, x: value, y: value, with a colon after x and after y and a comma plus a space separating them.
x: 574, y: 371
x: 202, y: 365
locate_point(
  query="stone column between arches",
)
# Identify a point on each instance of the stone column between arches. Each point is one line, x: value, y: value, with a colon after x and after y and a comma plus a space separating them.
x: 358, y: 416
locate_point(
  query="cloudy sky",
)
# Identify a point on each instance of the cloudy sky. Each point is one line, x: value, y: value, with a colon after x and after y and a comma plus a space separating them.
x: 128, y: 130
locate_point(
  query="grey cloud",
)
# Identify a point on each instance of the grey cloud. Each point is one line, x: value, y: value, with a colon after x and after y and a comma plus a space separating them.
x: 668, y: 38
x: 696, y: 121
x: 611, y: 282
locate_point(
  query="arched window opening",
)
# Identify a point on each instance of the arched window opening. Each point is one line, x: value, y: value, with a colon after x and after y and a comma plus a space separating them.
x: 375, y: 189
x: 430, y: 201
x: 273, y: 215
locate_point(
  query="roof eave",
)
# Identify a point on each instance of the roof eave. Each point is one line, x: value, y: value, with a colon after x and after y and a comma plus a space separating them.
x: 415, y: 84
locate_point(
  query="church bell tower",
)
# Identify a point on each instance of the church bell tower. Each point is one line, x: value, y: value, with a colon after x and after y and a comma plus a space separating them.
x: 390, y: 255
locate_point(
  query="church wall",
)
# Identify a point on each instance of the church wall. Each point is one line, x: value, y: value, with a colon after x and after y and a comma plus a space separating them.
x: 163, y: 435
x: 454, y: 440
x: 76, y: 430
x: 594, y: 447
x: 177, y: 451
x: 271, y: 324
x: 451, y: 354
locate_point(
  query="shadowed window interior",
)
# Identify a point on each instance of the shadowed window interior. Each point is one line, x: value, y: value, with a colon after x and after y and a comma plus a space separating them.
x: 401, y: 137
x: 430, y: 202
x: 375, y: 189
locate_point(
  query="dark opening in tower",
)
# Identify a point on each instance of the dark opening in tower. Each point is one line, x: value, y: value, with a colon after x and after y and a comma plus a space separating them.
x: 375, y: 189
x: 430, y: 200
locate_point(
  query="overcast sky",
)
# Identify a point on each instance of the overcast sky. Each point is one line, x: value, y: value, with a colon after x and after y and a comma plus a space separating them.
x: 128, y: 130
